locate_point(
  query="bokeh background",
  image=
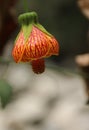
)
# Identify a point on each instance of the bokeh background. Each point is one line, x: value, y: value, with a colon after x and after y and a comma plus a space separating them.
x: 58, y: 98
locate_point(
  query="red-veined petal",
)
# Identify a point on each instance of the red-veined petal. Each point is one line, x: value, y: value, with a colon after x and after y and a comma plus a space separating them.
x: 19, y: 47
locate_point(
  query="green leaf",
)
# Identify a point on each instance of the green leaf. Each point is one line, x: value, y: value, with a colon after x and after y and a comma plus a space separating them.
x: 5, y: 92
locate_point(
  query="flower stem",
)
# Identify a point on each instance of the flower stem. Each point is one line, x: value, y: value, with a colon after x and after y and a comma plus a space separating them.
x: 25, y: 5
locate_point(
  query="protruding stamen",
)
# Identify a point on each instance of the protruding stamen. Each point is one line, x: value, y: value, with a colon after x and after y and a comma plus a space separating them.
x: 38, y: 66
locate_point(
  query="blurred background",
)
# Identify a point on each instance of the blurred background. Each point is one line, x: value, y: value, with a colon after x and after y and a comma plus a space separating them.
x: 57, y: 99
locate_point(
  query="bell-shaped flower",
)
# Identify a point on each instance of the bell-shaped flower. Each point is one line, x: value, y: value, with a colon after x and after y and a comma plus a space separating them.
x: 34, y: 43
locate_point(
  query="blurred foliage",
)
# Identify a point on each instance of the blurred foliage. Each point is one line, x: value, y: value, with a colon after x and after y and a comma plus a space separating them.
x: 5, y: 92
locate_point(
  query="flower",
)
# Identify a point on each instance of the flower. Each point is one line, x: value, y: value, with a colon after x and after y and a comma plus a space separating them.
x: 34, y: 43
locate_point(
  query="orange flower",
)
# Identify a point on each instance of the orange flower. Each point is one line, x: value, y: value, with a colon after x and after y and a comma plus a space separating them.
x: 35, y: 44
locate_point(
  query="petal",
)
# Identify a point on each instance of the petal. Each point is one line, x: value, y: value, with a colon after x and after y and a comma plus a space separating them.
x: 37, y: 45
x: 53, y: 46
x: 19, y: 47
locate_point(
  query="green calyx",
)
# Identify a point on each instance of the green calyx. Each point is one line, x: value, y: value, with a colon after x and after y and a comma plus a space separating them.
x: 28, y: 20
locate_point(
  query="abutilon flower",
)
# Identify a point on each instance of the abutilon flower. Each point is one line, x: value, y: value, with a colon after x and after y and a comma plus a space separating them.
x: 34, y: 43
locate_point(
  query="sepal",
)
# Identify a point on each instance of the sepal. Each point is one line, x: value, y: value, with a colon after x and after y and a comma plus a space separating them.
x: 27, y: 21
